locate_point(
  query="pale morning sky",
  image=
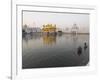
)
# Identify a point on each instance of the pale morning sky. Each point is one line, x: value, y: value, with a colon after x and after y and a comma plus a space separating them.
x: 62, y: 20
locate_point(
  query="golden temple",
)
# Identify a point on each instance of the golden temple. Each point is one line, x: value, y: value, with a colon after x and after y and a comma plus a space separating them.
x: 49, y: 28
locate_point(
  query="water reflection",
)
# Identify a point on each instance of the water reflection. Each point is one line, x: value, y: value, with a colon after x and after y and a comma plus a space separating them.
x: 34, y: 36
x: 40, y: 50
x: 49, y: 39
x: 74, y: 37
x: 74, y: 42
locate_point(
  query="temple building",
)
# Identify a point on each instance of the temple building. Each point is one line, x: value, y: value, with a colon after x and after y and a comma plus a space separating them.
x: 49, y: 28
x: 28, y: 29
x: 74, y: 29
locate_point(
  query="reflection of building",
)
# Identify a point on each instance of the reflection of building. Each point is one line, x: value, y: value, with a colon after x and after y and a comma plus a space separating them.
x: 74, y: 29
x: 49, y: 39
x: 49, y: 28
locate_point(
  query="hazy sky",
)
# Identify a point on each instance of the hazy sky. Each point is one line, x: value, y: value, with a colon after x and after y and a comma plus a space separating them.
x: 62, y: 20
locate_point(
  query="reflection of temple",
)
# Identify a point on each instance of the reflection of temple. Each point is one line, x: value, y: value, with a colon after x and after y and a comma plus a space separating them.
x: 49, y: 28
x: 74, y: 29
x: 75, y: 42
x: 49, y: 39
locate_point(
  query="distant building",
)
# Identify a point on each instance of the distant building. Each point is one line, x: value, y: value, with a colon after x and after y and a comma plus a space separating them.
x: 49, y: 28
x: 74, y: 29
x: 25, y: 28
x: 66, y: 30
x: 36, y: 29
x: 31, y: 29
